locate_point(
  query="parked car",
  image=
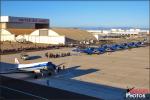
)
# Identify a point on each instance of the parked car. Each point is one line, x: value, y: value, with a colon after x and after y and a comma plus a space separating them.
x: 24, y: 56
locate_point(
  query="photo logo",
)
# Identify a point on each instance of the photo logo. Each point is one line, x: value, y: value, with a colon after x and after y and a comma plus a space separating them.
x: 133, y: 93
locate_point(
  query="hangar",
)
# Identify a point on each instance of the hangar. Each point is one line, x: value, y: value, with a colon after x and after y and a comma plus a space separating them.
x: 74, y: 35
x: 47, y: 36
x: 6, y: 35
x: 37, y: 30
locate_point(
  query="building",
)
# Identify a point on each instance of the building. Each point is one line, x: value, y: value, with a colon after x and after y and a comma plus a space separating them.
x: 103, y: 34
x: 99, y: 34
x: 6, y: 35
x: 23, y: 22
x: 117, y: 33
x: 75, y: 35
x: 37, y: 30
x: 55, y: 36
x: 47, y: 36
x: 27, y: 29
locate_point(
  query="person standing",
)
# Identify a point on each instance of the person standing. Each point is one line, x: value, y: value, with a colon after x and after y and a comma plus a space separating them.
x: 47, y: 82
x: 63, y: 67
x: 58, y: 70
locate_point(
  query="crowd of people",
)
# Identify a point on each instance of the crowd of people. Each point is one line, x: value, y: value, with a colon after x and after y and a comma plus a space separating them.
x: 14, y: 47
x: 57, y: 55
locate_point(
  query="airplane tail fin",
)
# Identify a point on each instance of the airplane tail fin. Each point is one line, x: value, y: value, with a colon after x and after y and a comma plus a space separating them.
x: 16, y: 61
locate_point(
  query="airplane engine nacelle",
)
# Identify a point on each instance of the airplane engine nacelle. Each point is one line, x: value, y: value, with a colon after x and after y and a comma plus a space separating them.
x: 37, y: 71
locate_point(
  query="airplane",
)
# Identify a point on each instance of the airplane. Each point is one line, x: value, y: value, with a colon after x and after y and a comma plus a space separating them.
x: 37, y: 68
x: 139, y: 44
x: 101, y: 50
x: 131, y: 45
x: 105, y: 46
x: 111, y: 48
x: 123, y: 46
x: 119, y: 47
x: 78, y: 50
x: 89, y: 50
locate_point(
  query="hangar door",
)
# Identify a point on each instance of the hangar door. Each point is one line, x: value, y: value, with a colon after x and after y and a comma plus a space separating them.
x: 43, y: 32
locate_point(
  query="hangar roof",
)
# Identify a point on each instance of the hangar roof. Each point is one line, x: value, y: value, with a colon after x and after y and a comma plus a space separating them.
x: 75, y: 34
x: 21, y: 31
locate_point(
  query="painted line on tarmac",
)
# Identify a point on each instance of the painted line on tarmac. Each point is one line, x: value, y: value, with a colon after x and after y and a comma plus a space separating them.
x: 23, y: 92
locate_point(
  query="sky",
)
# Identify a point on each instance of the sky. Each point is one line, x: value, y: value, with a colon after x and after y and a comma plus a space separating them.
x: 82, y: 13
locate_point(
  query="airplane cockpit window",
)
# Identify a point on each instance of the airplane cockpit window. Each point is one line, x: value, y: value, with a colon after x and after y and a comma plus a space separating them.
x: 49, y: 63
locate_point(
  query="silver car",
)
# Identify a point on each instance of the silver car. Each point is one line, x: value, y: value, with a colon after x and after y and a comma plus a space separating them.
x: 24, y: 56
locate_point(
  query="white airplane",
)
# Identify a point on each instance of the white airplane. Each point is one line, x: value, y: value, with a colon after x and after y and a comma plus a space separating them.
x: 37, y: 68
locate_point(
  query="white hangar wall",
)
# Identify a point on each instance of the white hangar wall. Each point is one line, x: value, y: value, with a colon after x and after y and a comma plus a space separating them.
x: 46, y: 39
x: 45, y: 36
x: 6, y: 35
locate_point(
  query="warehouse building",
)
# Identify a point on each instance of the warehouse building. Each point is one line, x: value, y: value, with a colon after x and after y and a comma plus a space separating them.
x: 118, y: 33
